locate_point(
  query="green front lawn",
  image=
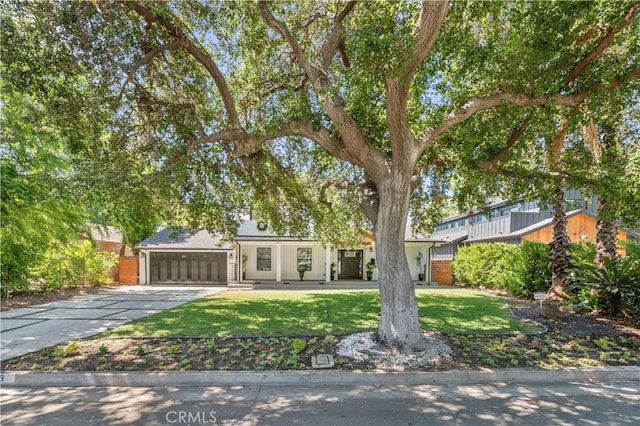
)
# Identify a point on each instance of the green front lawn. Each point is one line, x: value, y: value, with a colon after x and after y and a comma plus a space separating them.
x: 266, y: 313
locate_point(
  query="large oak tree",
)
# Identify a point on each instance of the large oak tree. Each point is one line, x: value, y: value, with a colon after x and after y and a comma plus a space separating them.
x: 290, y: 107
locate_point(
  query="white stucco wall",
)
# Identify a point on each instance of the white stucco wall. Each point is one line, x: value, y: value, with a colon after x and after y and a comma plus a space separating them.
x: 289, y: 256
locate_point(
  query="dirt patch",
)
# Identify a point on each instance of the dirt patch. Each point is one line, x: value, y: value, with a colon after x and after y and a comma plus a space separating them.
x: 586, y: 323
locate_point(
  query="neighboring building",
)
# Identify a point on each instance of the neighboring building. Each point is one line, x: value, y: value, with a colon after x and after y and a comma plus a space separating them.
x: 513, y: 223
x: 174, y: 255
x: 109, y: 238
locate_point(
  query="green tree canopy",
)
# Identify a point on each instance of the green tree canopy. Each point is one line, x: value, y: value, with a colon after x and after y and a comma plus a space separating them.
x: 305, y: 110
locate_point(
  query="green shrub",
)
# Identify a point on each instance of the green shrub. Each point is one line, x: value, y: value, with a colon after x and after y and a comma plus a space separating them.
x: 632, y: 248
x: 298, y: 345
x: 531, y: 269
x: 487, y: 264
x: 520, y: 269
x: 76, y: 265
x: 617, y: 281
x: 18, y: 256
x: 581, y: 253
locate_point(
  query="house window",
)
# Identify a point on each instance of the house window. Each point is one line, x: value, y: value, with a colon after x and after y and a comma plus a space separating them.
x: 263, y: 255
x: 304, y: 257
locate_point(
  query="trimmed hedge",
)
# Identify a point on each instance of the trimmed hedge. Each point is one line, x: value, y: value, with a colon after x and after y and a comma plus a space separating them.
x: 484, y: 264
x: 520, y: 269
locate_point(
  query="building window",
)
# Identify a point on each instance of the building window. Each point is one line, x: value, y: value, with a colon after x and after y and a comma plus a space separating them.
x: 263, y: 255
x: 304, y: 257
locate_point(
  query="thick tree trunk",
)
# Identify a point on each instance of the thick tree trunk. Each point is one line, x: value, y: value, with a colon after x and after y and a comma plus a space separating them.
x: 559, y: 247
x: 399, y: 325
x: 606, y: 236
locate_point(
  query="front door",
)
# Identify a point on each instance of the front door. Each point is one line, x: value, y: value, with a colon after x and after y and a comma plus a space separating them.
x: 350, y: 264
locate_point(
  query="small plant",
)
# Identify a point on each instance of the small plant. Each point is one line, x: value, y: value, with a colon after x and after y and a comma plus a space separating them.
x: 212, y: 347
x: 70, y: 349
x: 371, y: 265
x: 140, y: 351
x: 173, y: 349
x: 603, y: 343
x: 302, y: 268
x: 329, y: 339
x: 298, y: 345
x: 103, y: 349
x: 293, y: 360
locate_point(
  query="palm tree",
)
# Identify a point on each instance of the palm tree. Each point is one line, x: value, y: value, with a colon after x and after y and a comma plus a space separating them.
x: 604, y: 153
x: 561, y: 243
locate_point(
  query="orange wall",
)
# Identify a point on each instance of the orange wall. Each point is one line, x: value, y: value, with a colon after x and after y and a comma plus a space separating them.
x: 441, y: 272
x: 577, y: 226
x: 128, y: 270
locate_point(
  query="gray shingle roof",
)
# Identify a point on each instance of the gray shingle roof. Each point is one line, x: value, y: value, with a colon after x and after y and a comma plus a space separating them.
x: 181, y: 238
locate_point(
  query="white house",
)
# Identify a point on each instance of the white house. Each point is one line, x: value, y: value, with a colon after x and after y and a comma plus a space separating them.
x: 256, y: 255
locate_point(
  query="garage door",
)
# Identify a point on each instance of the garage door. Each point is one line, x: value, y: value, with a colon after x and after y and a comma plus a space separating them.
x: 185, y: 268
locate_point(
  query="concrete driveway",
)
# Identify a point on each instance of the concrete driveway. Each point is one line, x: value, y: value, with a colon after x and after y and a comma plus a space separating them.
x: 30, y: 329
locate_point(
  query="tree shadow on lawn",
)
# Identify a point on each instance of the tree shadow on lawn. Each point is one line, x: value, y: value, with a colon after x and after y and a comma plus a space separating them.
x: 312, y: 314
x: 471, y: 313
x: 320, y: 313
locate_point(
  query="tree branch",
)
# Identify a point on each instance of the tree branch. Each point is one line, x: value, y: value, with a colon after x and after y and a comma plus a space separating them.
x: 479, y: 104
x: 601, y: 46
x: 247, y: 143
x: 343, y: 54
x: 369, y: 200
x: 345, y: 11
x: 517, y: 133
x: 333, y: 38
x: 335, y: 183
x: 492, y: 163
x: 146, y: 59
x: 357, y: 150
x: 278, y: 26
x: 432, y: 16
x: 197, y: 52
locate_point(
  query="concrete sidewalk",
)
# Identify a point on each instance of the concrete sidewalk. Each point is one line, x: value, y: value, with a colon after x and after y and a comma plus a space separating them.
x: 320, y: 377
x: 30, y: 329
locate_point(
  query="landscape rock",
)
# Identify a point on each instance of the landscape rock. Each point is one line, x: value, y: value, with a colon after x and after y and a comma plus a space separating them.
x: 362, y: 347
x: 551, y: 312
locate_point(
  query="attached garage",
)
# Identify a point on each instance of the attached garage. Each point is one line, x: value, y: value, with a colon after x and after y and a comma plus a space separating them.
x: 176, y: 256
x: 171, y: 267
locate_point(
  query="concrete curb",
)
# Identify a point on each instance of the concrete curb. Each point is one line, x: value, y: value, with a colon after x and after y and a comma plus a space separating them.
x: 298, y: 378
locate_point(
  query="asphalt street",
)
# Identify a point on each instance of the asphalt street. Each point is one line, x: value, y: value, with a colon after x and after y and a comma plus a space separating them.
x: 615, y: 403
